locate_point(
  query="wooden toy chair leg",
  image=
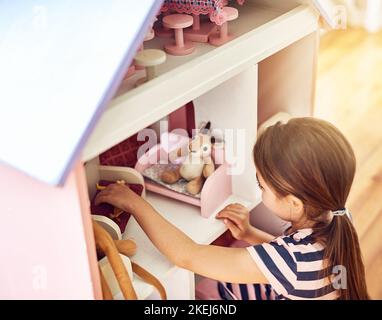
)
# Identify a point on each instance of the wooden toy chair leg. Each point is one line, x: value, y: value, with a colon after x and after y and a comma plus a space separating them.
x: 150, y: 73
x: 224, y: 31
x: 179, y: 38
x: 196, y: 24
x: 180, y: 47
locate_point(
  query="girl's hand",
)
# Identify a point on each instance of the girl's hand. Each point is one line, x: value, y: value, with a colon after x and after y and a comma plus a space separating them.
x: 236, y: 218
x: 120, y: 196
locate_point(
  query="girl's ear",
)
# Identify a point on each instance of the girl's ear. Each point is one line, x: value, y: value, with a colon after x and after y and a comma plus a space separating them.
x: 296, y: 206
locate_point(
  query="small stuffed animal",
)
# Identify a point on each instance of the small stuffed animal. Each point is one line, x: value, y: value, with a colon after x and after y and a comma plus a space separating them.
x: 198, y: 164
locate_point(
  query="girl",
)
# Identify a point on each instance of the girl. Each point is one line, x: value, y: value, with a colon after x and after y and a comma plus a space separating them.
x: 305, y: 169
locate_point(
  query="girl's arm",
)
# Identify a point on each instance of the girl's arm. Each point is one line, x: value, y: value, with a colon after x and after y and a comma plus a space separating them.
x: 224, y: 264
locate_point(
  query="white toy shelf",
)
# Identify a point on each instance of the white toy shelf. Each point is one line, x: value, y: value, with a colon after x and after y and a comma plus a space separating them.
x: 269, y: 67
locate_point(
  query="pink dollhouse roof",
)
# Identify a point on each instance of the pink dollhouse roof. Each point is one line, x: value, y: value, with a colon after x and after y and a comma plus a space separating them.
x: 60, y: 64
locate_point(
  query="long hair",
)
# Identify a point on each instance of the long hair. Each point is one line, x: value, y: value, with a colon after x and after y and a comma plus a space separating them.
x: 312, y: 160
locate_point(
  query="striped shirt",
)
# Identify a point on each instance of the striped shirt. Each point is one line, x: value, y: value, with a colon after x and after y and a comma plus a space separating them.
x: 293, y: 265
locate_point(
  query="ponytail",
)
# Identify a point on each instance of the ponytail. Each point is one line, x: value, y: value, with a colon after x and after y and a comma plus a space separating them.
x: 343, y: 254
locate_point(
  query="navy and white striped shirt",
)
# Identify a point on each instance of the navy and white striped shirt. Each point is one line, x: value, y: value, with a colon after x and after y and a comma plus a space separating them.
x: 293, y: 265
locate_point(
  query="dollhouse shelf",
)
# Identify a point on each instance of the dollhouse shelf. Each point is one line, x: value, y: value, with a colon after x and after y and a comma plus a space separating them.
x: 187, y: 218
x: 263, y: 28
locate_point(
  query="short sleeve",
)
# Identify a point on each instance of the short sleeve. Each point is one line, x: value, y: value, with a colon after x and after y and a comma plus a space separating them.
x: 294, y: 267
x: 277, y: 264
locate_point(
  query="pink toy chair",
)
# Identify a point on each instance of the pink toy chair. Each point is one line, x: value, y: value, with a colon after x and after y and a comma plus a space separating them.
x: 178, y: 22
x: 149, y: 59
x: 223, y: 36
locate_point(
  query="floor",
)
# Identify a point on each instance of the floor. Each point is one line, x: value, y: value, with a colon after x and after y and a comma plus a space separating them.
x: 349, y: 94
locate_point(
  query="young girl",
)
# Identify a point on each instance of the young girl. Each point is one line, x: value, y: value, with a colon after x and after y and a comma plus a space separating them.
x: 305, y: 169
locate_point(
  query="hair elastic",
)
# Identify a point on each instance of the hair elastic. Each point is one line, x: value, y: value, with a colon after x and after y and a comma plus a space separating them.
x: 341, y: 212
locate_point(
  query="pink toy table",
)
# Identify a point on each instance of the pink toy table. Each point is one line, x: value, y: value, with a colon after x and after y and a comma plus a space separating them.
x: 221, y: 37
x: 213, y: 8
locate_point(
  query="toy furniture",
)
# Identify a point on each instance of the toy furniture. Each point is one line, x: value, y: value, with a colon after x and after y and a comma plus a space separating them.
x: 270, y: 67
x: 149, y: 59
x: 149, y: 35
x: 212, y: 8
x: 222, y: 37
x: 178, y: 22
x: 199, y: 32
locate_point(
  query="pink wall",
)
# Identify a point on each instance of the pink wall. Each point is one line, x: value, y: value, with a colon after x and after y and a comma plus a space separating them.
x: 43, y: 250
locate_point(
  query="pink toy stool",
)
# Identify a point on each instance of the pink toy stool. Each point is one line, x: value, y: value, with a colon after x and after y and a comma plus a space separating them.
x: 178, y: 22
x: 164, y: 32
x: 199, y: 32
x: 149, y: 59
x: 222, y: 37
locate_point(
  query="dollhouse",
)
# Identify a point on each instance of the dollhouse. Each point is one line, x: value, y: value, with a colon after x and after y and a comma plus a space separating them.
x: 47, y: 245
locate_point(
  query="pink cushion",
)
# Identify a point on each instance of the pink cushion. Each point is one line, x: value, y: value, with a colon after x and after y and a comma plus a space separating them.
x: 231, y: 13
x: 178, y: 21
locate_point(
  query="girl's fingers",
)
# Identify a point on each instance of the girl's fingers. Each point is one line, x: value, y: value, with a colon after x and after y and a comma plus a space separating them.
x: 102, y: 197
x: 232, y: 227
x: 236, y: 217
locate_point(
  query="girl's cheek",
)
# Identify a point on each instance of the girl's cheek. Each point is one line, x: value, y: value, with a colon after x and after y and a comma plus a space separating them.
x: 272, y: 204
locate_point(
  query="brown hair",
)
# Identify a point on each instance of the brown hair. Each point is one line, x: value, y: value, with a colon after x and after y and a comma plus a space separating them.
x: 312, y: 160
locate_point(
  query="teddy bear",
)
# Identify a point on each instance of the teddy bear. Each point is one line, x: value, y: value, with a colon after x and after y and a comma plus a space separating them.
x: 198, y: 164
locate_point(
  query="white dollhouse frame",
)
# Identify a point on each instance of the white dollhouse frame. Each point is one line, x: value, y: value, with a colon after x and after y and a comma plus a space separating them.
x: 269, y: 67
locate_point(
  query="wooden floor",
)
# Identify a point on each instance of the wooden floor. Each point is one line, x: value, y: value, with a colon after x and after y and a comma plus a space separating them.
x: 349, y: 94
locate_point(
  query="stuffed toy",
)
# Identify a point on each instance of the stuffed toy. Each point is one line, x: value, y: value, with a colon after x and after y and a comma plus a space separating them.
x: 198, y: 164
